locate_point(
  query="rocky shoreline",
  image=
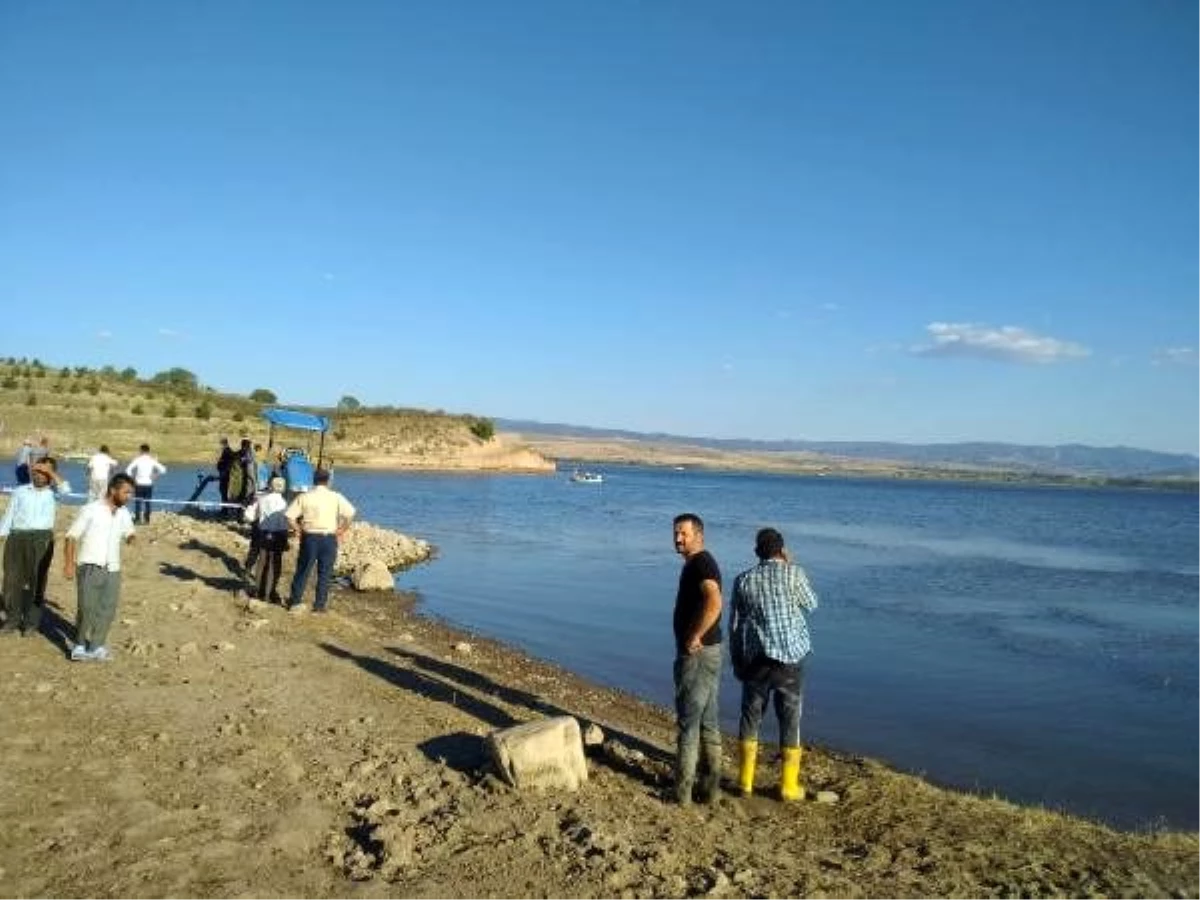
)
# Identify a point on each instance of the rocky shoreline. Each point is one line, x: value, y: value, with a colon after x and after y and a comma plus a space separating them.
x: 232, y: 749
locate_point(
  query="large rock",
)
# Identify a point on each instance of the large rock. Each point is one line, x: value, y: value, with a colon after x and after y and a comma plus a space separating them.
x: 543, y: 754
x: 373, y: 576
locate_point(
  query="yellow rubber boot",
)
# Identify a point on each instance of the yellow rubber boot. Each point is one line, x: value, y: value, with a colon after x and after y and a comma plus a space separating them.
x: 749, y: 758
x: 790, y: 788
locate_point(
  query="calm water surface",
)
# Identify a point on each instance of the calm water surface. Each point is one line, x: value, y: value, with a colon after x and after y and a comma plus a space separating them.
x: 1036, y: 642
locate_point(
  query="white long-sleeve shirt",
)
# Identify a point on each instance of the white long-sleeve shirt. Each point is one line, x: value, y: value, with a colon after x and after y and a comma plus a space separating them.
x: 144, y: 469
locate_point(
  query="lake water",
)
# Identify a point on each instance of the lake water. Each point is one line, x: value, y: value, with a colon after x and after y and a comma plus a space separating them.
x: 1036, y: 642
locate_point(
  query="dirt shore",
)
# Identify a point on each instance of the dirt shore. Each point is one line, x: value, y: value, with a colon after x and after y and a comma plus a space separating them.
x: 231, y: 749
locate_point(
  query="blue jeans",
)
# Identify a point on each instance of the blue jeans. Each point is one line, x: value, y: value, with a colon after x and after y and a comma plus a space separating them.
x: 320, y: 549
x: 142, y: 495
x: 697, y: 678
x: 786, y: 683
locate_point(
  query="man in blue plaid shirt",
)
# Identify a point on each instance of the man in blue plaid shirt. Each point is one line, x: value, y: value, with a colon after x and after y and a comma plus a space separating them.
x: 769, y: 644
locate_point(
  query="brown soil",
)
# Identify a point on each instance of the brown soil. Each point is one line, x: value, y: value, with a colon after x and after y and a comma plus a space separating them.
x: 233, y: 751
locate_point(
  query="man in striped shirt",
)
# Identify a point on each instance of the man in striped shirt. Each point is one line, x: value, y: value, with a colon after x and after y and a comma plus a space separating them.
x: 769, y: 645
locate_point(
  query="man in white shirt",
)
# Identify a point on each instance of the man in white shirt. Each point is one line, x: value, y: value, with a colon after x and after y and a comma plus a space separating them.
x: 144, y: 471
x: 322, y: 516
x: 100, y: 469
x: 93, y: 559
x: 269, y: 515
x: 27, y: 528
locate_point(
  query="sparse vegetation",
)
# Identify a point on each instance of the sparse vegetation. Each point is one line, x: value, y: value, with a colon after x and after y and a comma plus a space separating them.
x: 137, y: 409
x: 262, y: 395
x: 204, y: 410
x: 171, y: 411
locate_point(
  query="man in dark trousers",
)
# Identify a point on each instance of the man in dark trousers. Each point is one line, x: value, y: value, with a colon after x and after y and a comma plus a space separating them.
x: 697, y: 622
x: 769, y: 642
x: 28, y: 530
x: 224, y: 467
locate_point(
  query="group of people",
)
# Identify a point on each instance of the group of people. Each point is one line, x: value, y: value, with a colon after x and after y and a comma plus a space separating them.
x: 320, y: 517
x: 92, y: 556
x: 241, y: 473
x: 768, y: 632
x: 769, y: 644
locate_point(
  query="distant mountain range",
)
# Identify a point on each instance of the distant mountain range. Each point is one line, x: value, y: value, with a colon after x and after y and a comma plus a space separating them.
x: 1065, y: 459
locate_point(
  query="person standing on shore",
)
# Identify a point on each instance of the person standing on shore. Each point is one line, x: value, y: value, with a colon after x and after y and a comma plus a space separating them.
x: 269, y: 515
x: 224, y: 469
x: 697, y: 625
x: 28, y: 530
x: 24, y: 454
x: 769, y: 643
x: 144, y: 470
x: 99, y: 468
x: 322, y: 517
x: 93, y: 561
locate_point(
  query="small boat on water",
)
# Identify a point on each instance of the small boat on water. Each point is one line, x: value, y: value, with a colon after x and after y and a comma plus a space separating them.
x: 587, y: 477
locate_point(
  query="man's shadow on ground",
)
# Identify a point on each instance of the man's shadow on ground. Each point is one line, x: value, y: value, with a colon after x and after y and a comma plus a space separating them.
x: 445, y: 682
x: 234, y: 580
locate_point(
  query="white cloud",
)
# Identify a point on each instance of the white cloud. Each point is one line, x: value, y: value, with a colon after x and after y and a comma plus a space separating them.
x: 830, y: 307
x: 1175, y: 356
x: 1005, y: 344
x: 169, y: 332
x: 104, y: 334
x: 328, y: 276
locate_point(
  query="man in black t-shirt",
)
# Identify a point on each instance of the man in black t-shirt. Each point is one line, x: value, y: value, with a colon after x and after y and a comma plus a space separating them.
x: 697, y: 663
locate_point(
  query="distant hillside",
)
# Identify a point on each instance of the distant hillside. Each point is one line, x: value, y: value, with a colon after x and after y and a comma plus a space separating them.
x: 81, y: 408
x: 1067, y: 459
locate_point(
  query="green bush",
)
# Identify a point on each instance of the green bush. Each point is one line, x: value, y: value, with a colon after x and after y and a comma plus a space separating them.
x: 74, y: 388
x: 239, y: 417
x: 9, y: 383
x: 137, y: 409
x: 171, y: 411
x: 262, y: 395
x: 204, y: 410
x: 129, y: 374
x: 93, y: 388
x: 31, y: 400
x: 103, y: 407
x: 484, y: 429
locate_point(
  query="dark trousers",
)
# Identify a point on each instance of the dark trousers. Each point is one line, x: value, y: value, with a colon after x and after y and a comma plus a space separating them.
x: 23, y: 476
x: 23, y: 554
x: 43, y: 574
x: 255, y: 547
x: 697, y: 680
x: 320, y: 549
x: 786, y: 683
x: 142, y: 495
x: 269, y: 572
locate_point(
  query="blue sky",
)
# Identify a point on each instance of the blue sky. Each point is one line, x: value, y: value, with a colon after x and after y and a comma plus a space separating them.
x: 831, y: 220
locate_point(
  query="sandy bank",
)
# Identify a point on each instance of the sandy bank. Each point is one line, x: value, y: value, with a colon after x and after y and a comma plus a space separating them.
x: 232, y: 750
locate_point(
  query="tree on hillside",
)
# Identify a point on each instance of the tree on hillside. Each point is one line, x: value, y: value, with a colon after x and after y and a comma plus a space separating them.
x: 177, y: 378
x: 349, y: 404
x: 484, y: 429
x: 262, y: 395
x: 129, y: 373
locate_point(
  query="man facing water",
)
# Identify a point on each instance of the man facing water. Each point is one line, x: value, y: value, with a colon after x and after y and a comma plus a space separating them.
x: 99, y: 469
x: 144, y: 470
x: 697, y: 623
x: 768, y: 642
x: 322, y: 516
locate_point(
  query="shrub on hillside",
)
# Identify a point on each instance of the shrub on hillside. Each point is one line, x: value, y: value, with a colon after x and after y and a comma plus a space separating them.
x: 9, y: 383
x: 103, y: 407
x: 137, y: 409
x: 239, y: 416
x: 484, y: 429
x: 93, y: 388
x: 74, y: 388
x: 204, y: 410
x: 171, y: 411
x: 262, y: 395
x: 31, y: 400
x: 178, y: 378
x: 129, y: 374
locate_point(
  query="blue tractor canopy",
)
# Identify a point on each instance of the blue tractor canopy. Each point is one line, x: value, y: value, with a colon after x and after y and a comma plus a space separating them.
x: 296, y: 464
